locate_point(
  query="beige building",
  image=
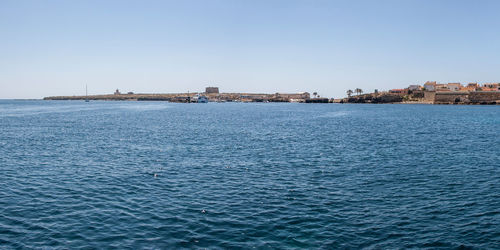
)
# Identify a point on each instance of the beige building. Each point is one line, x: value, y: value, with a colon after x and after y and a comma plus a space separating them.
x: 212, y: 90
x: 454, y: 86
x: 442, y: 87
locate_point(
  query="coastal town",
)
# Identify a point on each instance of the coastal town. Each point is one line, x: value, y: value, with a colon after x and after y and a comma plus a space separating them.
x: 430, y: 92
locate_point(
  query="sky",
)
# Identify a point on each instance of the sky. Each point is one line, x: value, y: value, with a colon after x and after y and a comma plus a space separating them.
x: 50, y: 48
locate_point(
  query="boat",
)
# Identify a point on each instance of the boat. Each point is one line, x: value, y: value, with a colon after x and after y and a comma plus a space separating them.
x: 86, y: 94
x: 200, y: 98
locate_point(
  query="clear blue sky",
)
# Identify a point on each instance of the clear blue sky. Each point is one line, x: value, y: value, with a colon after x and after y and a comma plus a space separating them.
x: 56, y: 47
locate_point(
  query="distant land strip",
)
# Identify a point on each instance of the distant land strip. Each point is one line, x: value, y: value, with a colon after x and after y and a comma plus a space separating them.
x: 429, y: 93
x: 211, y: 94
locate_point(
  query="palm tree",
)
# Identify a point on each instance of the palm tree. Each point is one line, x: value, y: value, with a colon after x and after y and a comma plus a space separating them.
x: 358, y: 91
x: 349, y: 93
x: 315, y: 94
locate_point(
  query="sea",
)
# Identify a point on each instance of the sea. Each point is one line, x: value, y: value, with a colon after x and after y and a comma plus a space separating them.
x: 159, y: 175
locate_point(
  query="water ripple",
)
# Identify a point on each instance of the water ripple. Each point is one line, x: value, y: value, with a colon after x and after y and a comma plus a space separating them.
x: 234, y: 175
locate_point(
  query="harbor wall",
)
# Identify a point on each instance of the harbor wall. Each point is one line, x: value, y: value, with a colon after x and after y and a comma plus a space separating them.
x: 429, y: 96
x: 451, y: 97
x: 484, y: 96
x: 473, y: 97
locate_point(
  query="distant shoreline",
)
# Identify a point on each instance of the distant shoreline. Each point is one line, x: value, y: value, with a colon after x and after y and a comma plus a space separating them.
x: 412, y: 97
x: 303, y: 97
x: 336, y: 101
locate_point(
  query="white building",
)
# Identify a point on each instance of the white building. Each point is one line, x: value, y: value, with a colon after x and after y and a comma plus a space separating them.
x: 430, y: 86
x: 414, y: 87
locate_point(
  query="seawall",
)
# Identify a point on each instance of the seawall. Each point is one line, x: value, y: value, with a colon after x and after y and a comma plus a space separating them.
x: 465, y: 97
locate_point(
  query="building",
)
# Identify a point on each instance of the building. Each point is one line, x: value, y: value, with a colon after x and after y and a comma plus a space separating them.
x: 487, y: 89
x: 467, y: 88
x: 441, y: 87
x: 414, y: 87
x: 430, y: 86
x: 495, y: 86
x: 470, y: 87
x: 212, y: 90
x: 473, y: 85
x: 454, y: 86
x: 398, y: 91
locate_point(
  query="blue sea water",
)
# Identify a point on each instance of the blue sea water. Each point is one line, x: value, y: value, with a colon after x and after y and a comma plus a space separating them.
x: 244, y: 175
